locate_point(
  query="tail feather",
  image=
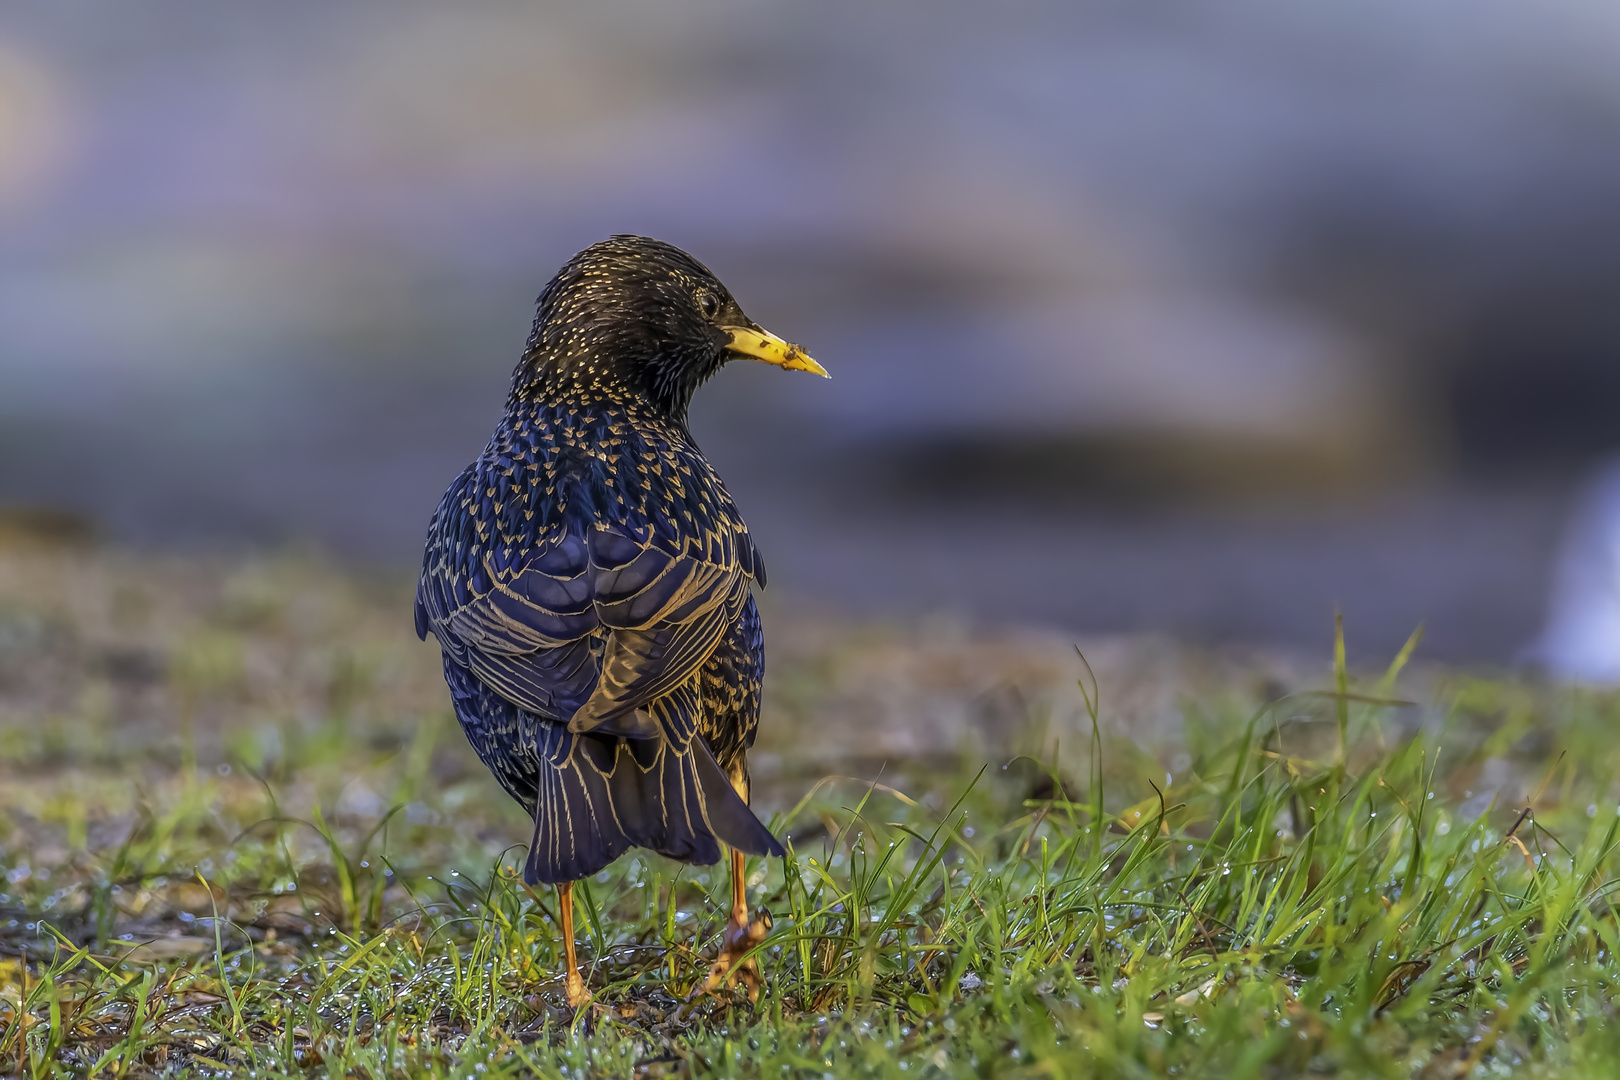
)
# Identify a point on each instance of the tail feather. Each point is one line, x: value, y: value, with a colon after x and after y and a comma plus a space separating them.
x: 598, y: 796
x: 729, y: 816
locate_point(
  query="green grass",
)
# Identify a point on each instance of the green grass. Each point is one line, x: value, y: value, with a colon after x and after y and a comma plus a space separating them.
x: 1319, y: 889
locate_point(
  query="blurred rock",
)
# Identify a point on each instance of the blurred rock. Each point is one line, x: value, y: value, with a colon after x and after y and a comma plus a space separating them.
x: 1581, y: 640
x: 50, y: 527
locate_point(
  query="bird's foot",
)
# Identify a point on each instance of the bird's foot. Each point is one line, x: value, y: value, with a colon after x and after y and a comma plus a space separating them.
x: 575, y: 993
x: 739, y: 938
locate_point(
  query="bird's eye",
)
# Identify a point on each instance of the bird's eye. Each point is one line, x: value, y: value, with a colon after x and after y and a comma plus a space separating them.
x: 709, y: 303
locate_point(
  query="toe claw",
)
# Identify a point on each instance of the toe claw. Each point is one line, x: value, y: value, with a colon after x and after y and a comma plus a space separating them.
x: 738, y: 939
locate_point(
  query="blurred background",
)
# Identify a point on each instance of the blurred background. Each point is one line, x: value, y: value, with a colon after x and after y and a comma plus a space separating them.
x: 1175, y: 318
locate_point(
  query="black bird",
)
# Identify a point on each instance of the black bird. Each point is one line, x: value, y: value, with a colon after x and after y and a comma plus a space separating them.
x: 588, y: 579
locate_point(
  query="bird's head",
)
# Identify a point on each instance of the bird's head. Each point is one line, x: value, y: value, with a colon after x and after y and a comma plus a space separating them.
x: 638, y: 315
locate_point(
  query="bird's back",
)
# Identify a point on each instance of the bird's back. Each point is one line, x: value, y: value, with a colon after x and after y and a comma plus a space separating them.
x: 580, y: 499
x: 591, y: 566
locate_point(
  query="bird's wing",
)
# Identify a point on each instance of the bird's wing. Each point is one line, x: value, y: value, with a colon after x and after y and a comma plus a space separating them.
x: 592, y: 622
x: 520, y: 618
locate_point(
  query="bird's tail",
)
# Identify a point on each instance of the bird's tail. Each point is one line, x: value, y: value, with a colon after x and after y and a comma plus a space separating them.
x: 598, y: 796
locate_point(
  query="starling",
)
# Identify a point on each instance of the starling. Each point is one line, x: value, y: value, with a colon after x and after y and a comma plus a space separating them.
x: 588, y: 579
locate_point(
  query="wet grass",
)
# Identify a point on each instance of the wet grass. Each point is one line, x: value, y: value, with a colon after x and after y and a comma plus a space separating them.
x: 1336, y: 883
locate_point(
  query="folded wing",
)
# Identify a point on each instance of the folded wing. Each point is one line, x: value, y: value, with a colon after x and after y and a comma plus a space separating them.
x: 590, y: 618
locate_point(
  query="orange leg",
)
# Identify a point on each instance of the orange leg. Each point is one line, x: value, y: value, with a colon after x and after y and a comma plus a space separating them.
x: 574, y: 986
x: 739, y: 889
x: 741, y: 935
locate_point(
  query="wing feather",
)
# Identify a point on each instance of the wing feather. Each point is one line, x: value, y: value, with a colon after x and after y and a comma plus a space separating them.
x: 589, y: 620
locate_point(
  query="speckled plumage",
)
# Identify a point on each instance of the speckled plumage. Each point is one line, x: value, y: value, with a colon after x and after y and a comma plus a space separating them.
x: 588, y: 577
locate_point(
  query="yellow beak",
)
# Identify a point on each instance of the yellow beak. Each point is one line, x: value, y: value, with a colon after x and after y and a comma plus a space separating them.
x: 767, y: 347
